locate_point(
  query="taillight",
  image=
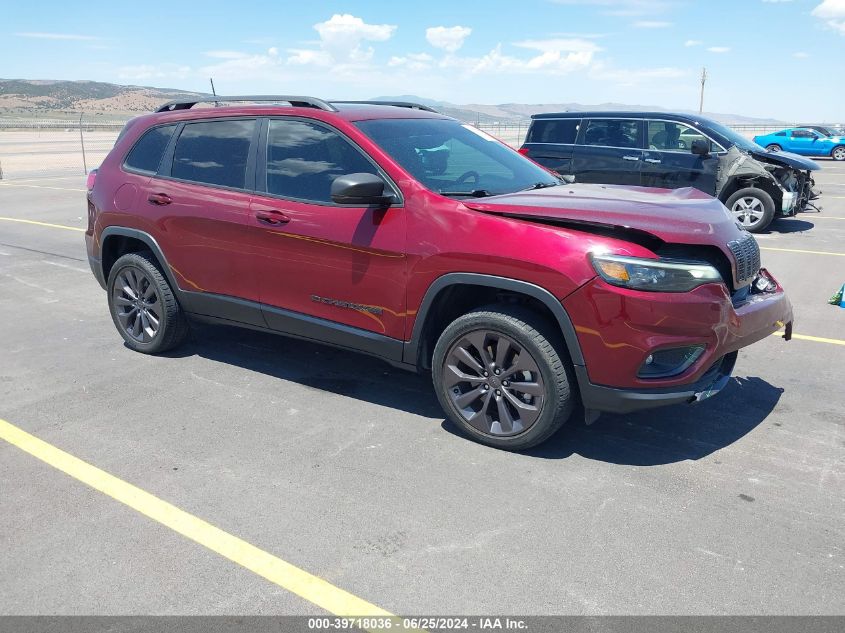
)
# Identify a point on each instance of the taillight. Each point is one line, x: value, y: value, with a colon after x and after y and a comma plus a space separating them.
x: 89, y: 182
x: 523, y: 151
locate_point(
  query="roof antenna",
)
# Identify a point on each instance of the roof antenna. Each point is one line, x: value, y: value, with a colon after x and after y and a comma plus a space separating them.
x: 213, y: 91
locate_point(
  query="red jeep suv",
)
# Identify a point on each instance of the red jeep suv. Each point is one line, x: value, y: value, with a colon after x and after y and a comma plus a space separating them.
x: 389, y: 229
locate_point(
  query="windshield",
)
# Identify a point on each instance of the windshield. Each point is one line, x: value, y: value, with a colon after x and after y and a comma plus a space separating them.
x: 455, y: 159
x: 733, y: 136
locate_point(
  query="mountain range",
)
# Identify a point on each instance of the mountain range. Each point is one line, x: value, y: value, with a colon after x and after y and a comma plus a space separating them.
x: 55, y: 98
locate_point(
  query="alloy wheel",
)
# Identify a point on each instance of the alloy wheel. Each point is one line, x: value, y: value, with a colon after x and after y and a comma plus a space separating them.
x: 137, y: 304
x: 839, y: 153
x: 494, y: 383
x: 748, y: 210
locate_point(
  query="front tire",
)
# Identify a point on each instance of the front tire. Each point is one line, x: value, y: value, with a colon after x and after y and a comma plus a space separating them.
x: 501, y: 378
x: 142, y: 305
x: 753, y: 208
x: 773, y: 147
x: 838, y: 153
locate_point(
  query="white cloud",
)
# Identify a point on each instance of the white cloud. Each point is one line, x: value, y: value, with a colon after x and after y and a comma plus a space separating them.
x: 800, y: 55
x: 57, y: 36
x: 235, y: 65
x: 555, y: 57
x: 154, y: 71
x: 719, y: 49
x: 448, y: 38
x: 412, y: 61
x: 342, y: 35
x: 651, y: 24
x: 776, y: 1
x: 689, y: 43
x: 833, y: 13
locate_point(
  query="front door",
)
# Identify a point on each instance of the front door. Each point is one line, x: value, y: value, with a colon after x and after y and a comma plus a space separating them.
x: 609, y: 151
x: 668, y: 163
x: 340, y: 264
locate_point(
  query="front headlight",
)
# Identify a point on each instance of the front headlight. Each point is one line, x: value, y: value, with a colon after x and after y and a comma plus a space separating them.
x: 654, y: 275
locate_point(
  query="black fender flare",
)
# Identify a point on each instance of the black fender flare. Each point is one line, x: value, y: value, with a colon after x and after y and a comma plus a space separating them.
x: 411, y: 348
x: 146, y: 238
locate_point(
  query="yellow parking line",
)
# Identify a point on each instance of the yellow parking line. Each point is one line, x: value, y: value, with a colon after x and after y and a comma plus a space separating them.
x: 8, y: 184
x: 816, y: 339
x: 312, y: 588
x: 800, y: 250
x: 54, y: 226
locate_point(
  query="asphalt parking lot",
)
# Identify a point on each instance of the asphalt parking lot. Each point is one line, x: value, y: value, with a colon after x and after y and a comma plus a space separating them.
x: 343, y: 467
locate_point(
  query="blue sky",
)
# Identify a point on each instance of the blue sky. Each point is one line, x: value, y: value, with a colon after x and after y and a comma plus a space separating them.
x: 768, y: 58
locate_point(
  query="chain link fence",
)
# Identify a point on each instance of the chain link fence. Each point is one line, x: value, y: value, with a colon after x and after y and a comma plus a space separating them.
x: 43, y: 148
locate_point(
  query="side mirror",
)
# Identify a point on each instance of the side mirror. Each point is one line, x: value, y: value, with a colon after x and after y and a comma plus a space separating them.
x: 364, y: 190
x: 700, y: 147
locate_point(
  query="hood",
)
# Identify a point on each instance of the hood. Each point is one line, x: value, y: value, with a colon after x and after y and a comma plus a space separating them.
x: 680, y: 216
x: 785, y: 158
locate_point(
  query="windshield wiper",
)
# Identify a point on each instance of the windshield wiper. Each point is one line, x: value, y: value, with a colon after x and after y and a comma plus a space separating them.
x: 542, y: 185
x: 475, y: 193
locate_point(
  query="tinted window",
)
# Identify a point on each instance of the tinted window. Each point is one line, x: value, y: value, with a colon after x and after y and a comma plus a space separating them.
x: 449, y: 157
x: 781, y: 134
x: 553, y: 131
x: 303, y: 159
x: 669, y: 136
x: 214, y: 152
x: 612, y: 133
x: 803, y: 134
x: 147, y: 152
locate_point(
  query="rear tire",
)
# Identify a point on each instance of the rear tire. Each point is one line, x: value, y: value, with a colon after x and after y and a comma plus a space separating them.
x: 142, y: 305
x: 774, y: 147
x: 838, y: 153
x: 525, y: 396
x: 753, y: 208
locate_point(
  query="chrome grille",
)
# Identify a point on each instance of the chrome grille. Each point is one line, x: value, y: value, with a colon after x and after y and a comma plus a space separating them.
x: 746, y: 254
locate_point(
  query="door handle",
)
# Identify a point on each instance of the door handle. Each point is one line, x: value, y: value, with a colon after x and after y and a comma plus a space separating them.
x: 272, y: 218
x: 630, y: 158
x: 159, y: 199
x: 654, y: 161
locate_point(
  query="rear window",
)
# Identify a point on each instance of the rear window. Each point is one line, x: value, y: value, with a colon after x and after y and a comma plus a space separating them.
x: 214, y: 152
x: 553, y: 131
x: 147, y: 152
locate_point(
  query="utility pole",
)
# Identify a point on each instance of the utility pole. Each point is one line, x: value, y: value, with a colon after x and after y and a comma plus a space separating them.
x: 703, y: 81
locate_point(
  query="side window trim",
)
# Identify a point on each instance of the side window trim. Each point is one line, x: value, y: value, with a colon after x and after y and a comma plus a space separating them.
x: 261, y: 162
x: 578, y: 122
x: 167, y: 160
x: 585, y: 123
x: 166, y: 166
x: 690, y: 126
x: 144, y: 172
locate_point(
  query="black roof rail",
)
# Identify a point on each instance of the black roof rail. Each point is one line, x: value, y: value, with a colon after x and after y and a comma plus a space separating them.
x: 298, y: 101
x: 398, y: 104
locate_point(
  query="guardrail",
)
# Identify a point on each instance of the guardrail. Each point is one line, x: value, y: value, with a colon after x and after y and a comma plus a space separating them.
x: 54, y: 146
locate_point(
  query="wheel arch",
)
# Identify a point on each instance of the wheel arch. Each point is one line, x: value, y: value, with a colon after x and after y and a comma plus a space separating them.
x: 755, y: 182
x: 453, y: 294
x: 116, y: 241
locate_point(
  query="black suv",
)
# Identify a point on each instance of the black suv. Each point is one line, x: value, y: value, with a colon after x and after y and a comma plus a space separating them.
x: 657, y: 149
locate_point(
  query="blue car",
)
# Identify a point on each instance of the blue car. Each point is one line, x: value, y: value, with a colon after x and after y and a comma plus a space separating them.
x: 804, y: 141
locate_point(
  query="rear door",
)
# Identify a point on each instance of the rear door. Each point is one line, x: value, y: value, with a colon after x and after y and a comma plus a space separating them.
x: 609, y: 151
x: 668, y: 162
x: 199, y: 203
x: 551, y: 142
